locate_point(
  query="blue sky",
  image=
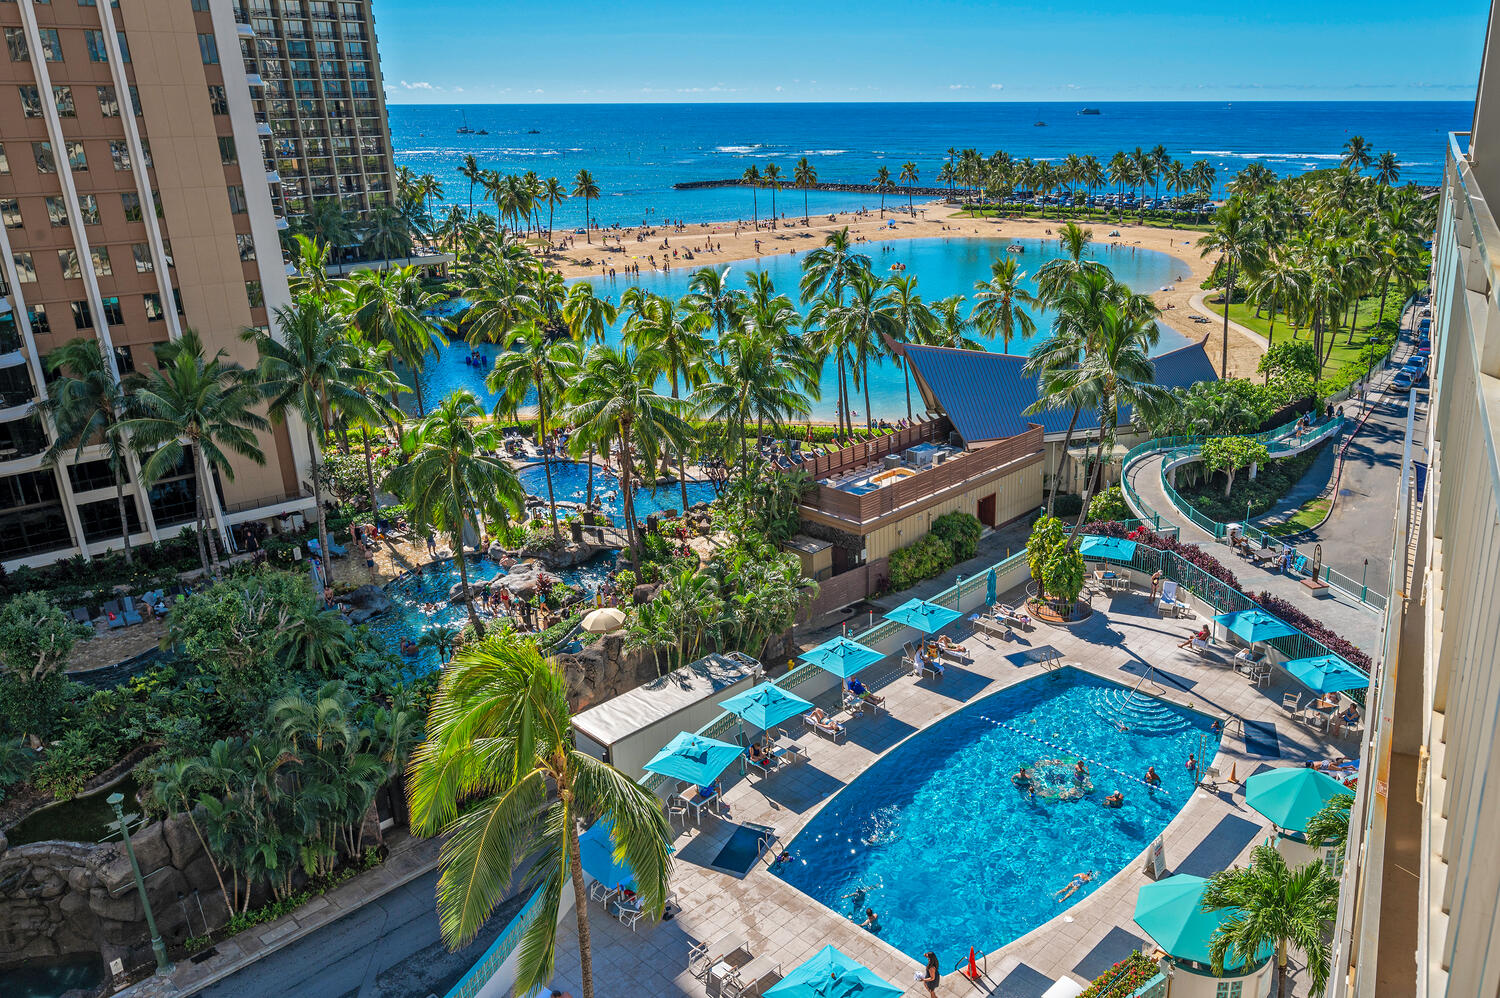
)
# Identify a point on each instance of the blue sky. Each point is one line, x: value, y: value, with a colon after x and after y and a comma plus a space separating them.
x: 443, y: 51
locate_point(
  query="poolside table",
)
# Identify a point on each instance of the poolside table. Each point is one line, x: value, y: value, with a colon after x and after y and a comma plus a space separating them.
x: 698, y: 802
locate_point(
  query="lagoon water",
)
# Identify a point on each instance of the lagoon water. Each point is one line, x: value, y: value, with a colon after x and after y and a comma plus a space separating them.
x: 942, y: 266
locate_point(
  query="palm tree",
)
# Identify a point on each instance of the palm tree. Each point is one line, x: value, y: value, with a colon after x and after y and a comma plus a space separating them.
x: 392, y: 306
x: 711, y: 294
x: 380, y: 382
x: 1356, y: 154
x: 194, y: 402
x: 861, y: 325
x: 471, y: 171
x: 617, y: 403
x: 909, y: 176
x: 828, y: 270
x: 950, y: 327
x: 1278, y: 286
x: 882, y: 181
x: 535, y: 363
x: 387, y: 234
x: 584, y: 187
x: 448, y: 475
x: 499, y: 300
x: 86, y: 404
x: 1330, y: 826
x: 310, y: 260
x: 500, y: 772
x: 1056, y: 274
x: 772, y: 177
x: 442, y: 639
x: 913, y: 320
x: 674, y: 332
x: 998, y: 302
x: 1274, y: 906
x: 554, y: 194
x: 804, y: 175
x: 1387, y: 169
x: 1235, y: 239
x: 751, y: 178
x: 587, y: 315
x: 309, y: 368
x: 754, y: 381
x: 328, y: 223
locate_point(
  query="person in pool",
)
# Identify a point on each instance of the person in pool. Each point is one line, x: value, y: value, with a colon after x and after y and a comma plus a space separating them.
x: 1151, y: 776
x: 872, y: 920
x: 1072, y: 886
x: 1080, y: 771
x: 1022, y: 777
x: 1115, y: 799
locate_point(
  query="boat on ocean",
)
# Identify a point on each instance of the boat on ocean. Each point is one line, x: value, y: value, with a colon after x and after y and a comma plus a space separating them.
x: 464, y: 128
x: 1088, y: 110
x: 1038, y: 124
x: 533, y: 131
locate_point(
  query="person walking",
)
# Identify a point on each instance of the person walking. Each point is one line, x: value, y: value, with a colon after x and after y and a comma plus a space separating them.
x: 931, y: 976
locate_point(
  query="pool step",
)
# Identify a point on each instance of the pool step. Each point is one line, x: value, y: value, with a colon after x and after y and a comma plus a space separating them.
x: 1140, y: 712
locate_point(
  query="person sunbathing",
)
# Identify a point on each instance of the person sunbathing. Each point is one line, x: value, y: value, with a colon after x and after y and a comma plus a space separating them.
x: 1062, y: 894
x: 824, y: 723
x: 948, y: 646
x: 859, y: 690
x: 1201, y: 635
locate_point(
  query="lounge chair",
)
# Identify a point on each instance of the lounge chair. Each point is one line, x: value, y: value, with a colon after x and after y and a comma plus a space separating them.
x: 830, y: 729
x: 602, y: 892
x: 132, y: 615
x: 702, y: 957
x: 1012, y: 616
x: 81, y: 615
x: 745, y: 980
x: 924, y: 664
x: 1169, y: 603
x: 989, y: 624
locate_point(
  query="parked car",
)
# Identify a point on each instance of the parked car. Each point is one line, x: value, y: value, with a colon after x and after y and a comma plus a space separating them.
x: 1402, y: 382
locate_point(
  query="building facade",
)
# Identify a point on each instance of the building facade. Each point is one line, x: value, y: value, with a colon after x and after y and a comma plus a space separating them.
x: 135, y: 204
x: 1420, y: 904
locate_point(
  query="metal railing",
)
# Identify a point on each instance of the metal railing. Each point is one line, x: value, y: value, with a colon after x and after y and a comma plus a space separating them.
x: 500, y: 950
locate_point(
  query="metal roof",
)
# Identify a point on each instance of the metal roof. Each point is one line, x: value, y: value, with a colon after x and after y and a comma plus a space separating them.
x: 659, y: 699
x: 985, y: 394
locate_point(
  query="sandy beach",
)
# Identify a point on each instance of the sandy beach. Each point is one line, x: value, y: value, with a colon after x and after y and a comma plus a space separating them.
x: 718, y: 243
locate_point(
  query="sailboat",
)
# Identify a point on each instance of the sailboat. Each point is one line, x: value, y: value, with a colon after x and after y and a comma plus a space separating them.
x: 464, y: 129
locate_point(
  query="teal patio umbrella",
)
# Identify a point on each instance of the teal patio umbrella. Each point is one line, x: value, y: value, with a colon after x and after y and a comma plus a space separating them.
x: 1288, y: 797
x: 1171, y: 912
x: 1114, y: 548
x: 929, y: 618
x: 989, y: 588
x: 831, y: 974
x: 693, y: 759
x: 841, y: 656
x: 596, y: 853
x: 1255, y: 626
x: 767, y: 705
x: 1326, y: 674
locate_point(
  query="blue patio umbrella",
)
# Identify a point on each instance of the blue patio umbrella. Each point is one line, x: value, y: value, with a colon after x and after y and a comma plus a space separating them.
x: 1326, y: 674
x: 1290, y: 796
x: 841, y: 656
x: 989, y: 588
x: 1255, y: 626
x: 767, y: 705
x: 831, y: 974
x: 1171, y: 912
x: 694, y: 759
x: 929, y: 618
x: 1117, y: 548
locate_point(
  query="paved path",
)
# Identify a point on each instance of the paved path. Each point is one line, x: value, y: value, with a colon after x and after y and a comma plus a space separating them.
x: 1313, y: 483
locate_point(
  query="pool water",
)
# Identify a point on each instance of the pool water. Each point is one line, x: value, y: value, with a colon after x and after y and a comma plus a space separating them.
x: 950, y: 854
x: 570, y: 482
x: 944, y: 265
x: 50, y: 978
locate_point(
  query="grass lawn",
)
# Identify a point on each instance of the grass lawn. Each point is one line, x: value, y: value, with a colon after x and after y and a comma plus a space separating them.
x: 1271, y: 483
x: 1306, y: 518
x: 1343, y: 351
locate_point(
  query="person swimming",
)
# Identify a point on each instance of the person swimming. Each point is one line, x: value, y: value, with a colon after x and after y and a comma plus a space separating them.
x: 1115, y: 799
x: 1151, y: 777
x: 1079, y: 879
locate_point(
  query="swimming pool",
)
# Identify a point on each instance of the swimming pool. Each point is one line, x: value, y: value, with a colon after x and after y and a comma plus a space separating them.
x: 950, y: 854
x: 570, y: 480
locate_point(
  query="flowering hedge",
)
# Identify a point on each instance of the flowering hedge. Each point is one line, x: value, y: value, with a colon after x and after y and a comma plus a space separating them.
x: 1123, y: 978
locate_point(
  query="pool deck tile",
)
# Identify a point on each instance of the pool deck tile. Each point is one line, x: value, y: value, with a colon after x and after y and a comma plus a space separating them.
x: 1115, y: 644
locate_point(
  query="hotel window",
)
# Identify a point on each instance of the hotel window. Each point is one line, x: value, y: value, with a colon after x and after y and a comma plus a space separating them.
x: 135, y: 101
x: 31, y: 102
x: 247, y: 245
x: 10, y: 211
x: 119, y: 154
x: 25, y: 268
x: 216, y: 99
x: 63, y: 98
x: 68, y: 260
x: 94, y: 40
x: 255, y: 294
x: 38, y: 316
x: 156, y: 203
x: 208, y: 47
x: 131, y: 202
x: 4, y: 161
x: 154, y: 311
x: 109, y: 102
x: 45, y: 161
x: 57, y: 212
x: 146, y: 153
x: 112, y: 313
x: 76, y: 158
x: 51, y: 45
x: 82, y: 317
x: 236, y: 199
x: 200, y: 5
x: 166, y: 252
x: 88, y: 209
x: 15, y: 42
x: 125, y: 361
x: 177, y: 300
x: 1228, y: 989
x: 124, y: 46
x: 141, y: 253
x: 227, y: 154
x: 102, y: 267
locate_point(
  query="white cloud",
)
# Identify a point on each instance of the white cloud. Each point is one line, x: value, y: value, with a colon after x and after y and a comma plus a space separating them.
x: 420, y: 85
x: 458, y: 90
x: 778, y: 90
x: 538, y: 90
x: 959, y: 86
x: 997, y: 86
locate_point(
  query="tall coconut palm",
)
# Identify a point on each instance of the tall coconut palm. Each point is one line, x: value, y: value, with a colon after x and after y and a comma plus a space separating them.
x: 804, y: 175
x: 1279, y: 284
x: 914, y: 321
x: 828, y: 270
x: 1235, y: 238
x: 379, y: 382
x: 951, y: 328
x: 535, y: 365
x: 86, y: 404
x: 882, y: 182
x: 1330, y: 826
x: 999, y: 303
x: 310, y: 261
x: 387, y: 235
x: 500, y: 774
x: 711, y: 294
x: 196, y: 407
x: 1055, y: 274
x: 909, y: 174
x: 585, y: 187
x: 554, y: 194
x: 674, y: 331
x: 471, y: 171
x: 448, y: 475
x: 862, y: 324
x: 1387, y: 169
x: 310, y: 369
x: 752, y: 382
x: 1273, y: 906
x: 1356, y: 154
x: 392, y: 306
x: 587, y: 315
x: 751, y: 178
x: 772, y: 177
x: 617, y: 404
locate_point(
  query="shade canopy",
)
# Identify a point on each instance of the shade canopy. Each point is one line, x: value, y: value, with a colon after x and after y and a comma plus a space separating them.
x: 604, y: 620
x: 1117, y: 548
x: 831, y: 974
x: 693, y: 758
x: 929, y: 618
x: 1289, y: 797
x: 1326, y: 674
x: 1254, y: 625
x: 841, y: 656
x: 766, y: 706
x: 1171, y: 912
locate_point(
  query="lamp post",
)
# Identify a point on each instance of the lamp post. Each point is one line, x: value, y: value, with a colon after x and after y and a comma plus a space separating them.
x: 163, y: 965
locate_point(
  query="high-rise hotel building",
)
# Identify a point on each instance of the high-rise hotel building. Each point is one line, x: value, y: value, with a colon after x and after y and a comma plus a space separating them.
x: 139, y: 161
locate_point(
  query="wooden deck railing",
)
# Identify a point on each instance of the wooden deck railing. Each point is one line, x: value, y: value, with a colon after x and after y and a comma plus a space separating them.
x: 858, y: 455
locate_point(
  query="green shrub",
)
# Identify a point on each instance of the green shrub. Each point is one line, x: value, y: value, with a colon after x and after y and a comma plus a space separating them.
x: 1109, y: 505
x: 960, y: 531
x: 1067, y: 504
x: 1055, y: 563
x: 929, y: 557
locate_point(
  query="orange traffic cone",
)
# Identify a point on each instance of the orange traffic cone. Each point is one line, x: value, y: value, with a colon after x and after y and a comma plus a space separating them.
x: 972, y: 970
x: 1233, y: 772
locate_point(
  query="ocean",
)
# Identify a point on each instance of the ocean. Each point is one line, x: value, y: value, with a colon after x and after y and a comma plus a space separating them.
x: 636, y: 152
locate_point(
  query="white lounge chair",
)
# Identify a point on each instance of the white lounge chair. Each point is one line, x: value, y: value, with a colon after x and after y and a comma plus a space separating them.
x: 1169, y: 603
x: 703, y: 956
x: 1012, y: 616
x: 829, y: 729
x: 626, y: 912
x: 602, y: 892
x: 743, y: 980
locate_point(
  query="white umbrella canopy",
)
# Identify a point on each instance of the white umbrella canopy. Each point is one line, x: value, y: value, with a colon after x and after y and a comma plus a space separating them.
x: 604, y: 620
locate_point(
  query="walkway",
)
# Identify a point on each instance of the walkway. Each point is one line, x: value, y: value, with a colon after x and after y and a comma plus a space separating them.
x: 1214, y: 829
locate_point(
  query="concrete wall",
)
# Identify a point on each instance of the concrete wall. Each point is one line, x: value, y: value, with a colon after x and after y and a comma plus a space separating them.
x: 1016, y: 494
x: 1183, y: 982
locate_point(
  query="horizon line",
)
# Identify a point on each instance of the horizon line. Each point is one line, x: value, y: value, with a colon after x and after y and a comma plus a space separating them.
x: 1082, y: 102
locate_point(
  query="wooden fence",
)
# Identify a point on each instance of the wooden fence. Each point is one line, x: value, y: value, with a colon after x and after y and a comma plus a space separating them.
x: 859, y: 455
x: 848, y: 587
